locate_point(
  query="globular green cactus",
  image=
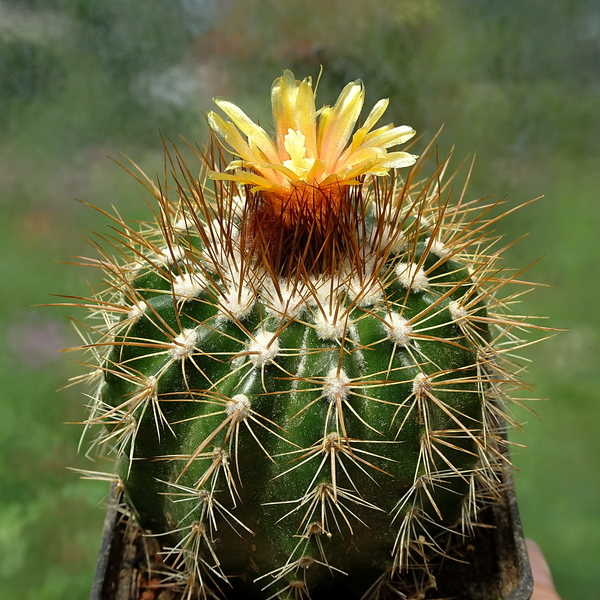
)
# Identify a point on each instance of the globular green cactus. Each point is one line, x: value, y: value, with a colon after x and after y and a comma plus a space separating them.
x: 303, y: 360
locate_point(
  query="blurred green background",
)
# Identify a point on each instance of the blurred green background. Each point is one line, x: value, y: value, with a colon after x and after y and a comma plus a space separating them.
x: 517, y: 83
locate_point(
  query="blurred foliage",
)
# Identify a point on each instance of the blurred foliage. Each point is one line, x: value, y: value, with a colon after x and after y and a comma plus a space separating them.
x: 516, y: 82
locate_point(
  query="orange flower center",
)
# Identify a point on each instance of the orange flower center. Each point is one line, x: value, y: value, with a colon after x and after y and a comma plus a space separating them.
x: 307, y: 230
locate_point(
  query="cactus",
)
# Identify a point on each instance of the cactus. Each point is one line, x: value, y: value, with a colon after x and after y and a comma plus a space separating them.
x: 301, y: 364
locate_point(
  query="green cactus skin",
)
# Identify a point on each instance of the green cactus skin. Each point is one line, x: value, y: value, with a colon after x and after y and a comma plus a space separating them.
x: 287, y: 431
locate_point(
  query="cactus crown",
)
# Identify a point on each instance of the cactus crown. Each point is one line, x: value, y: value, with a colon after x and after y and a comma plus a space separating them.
x: 305, y: 210
x: 301, y: 365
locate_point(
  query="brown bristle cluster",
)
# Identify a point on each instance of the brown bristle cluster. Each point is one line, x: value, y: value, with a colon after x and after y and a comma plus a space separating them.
x: 309, y: 228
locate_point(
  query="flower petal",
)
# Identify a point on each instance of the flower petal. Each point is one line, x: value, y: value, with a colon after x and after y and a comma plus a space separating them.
x: 398, y: 160
x: 311, y: 147
x: 244, y: 178
x: 293, y: 105
x: 364, y: 155
x: 231, y: 135
x: 374, y: 116
x: 306, y: 117
x: 249, y: 127
x: 340, y: 122
x: 392, y: 137
x: 376, y: 113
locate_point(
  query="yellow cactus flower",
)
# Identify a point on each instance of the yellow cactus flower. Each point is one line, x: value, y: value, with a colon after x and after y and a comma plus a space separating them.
x: 302, y: 213
x: 311, y: 147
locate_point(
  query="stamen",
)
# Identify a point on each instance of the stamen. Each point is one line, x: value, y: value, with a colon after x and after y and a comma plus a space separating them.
x: 294, y: 144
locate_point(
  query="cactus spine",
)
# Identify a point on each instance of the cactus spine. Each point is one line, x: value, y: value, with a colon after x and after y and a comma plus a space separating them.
x: 303, y: 361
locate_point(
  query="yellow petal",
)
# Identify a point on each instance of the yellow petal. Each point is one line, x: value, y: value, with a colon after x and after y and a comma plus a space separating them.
x: 340, y: 123
x: 364, y: 155
x: 245, y: 178
x: 283, y: 101
x: 311, y: 146
x: 398, y: 160
x: 323, y: 118
x: 231, y: 135
x: 374, y: 116
x: 392, y: 137
x: 316, y: 172
x: 294, y: 108
x: 306, y: 117
x: 249, y: 127
x: 281, y: 169
x: 376, y: 113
